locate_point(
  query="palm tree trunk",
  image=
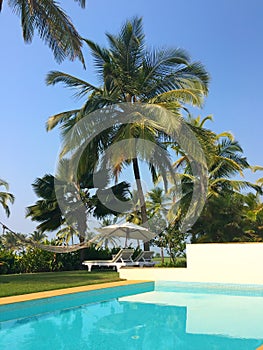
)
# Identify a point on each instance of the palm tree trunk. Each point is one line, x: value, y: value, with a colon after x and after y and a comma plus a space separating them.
x: 136, y: 170
x: 81, y: 222
x: 162, y: 255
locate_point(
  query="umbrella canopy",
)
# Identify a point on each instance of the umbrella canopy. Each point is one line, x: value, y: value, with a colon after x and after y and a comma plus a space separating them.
x: 126, y: 230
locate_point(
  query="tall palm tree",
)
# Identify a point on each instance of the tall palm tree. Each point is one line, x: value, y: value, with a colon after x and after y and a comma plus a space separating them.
x: 157, y: 210
x: 225, y: 160
x: 52, y: 24
x: 131, y: 73
x: 6, y: 197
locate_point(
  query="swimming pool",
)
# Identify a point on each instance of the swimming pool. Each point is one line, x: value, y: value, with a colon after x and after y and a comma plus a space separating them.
x: 147, y: 316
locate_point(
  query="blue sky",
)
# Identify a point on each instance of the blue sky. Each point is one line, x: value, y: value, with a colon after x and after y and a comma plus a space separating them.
x: 226, y: 36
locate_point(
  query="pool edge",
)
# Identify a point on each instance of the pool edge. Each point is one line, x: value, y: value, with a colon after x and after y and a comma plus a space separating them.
x: 64, y: 291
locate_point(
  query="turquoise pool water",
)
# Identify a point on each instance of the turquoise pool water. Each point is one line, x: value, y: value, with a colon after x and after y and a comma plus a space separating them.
x: 164, y: 316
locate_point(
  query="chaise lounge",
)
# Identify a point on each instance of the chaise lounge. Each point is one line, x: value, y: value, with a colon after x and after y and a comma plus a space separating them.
x: 145, y: 259
x: 122, y: 258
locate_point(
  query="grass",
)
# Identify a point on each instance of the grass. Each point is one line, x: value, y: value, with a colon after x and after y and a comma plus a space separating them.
x: 180, y: 262
x: 38, y: 282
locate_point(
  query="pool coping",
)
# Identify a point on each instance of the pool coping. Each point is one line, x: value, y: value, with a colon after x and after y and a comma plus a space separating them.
x: 71, y: 290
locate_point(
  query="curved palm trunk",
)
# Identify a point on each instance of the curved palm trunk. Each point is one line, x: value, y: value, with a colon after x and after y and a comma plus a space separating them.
x: 136, y: 170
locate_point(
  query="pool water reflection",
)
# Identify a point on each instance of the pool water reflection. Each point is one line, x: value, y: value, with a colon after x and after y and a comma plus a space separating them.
x: 162, y: 320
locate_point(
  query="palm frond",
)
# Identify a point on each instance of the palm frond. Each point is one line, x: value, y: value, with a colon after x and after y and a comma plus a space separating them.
x: 209, y: 117
x: 82, y: 87
x: 186, y: 96
x: 60, y: 118
x: 162, y: 62
x: 101, y: 57
x: 226, y: 134
x: 82, y: 3
x: 127, y: 47
x: 236, y: 185
x: 53, y: 25
x: 4, y: 183
x: 256, y: 168
x: 6, y: 197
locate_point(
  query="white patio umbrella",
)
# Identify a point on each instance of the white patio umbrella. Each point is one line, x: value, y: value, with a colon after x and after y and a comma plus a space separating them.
x: 126, y: 230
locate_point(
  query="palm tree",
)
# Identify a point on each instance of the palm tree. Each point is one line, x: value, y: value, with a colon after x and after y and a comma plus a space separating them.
x: 106, y: 241
x: 157, y: 202
x: 157, y: 210
x: 13, y: 242
x: 47, y: 211
x: 252, y: 218
x: 66, y: 234
x: 6, y: 197
x: 37, y: 237
x: 226, y: 163
x: 232, y: 217
x: 131, y: 73
x: 225, y: 160
x: 52, y: 24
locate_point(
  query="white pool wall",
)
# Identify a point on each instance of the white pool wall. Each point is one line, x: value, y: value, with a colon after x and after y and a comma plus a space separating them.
x: 240, y: 263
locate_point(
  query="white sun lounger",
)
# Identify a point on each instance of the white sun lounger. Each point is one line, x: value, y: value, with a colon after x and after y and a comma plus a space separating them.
x: 145, y: 259
x: 122, y: 258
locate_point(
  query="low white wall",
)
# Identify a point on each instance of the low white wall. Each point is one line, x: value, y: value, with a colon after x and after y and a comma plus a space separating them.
x: 240, y: 263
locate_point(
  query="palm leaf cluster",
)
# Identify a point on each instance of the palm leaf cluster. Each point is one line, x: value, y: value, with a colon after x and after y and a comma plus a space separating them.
x: 46, y: 210
x: 6, y: 197
x: 48, y: 213
x: 225, y: 161
x: 129, y: 72
x: 52, y: 24
x: 234, y: 217
x: 167, y: 81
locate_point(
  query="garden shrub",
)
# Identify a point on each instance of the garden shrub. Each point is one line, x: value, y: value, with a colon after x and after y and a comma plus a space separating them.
x: 37, y: 260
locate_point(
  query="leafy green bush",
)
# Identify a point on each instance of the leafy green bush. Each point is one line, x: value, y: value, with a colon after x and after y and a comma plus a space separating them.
x: 7, y: 260
x: 179, y: 262
x: 37, y: 260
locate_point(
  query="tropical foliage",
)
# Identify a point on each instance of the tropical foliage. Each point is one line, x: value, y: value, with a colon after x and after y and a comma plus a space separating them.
x: 131, y: 73
x: 52, y: 24
x: 18, y: 257
x: 47, y: 212
x: 230, y: 218
x: 5, y: 197
x: 229, y: 214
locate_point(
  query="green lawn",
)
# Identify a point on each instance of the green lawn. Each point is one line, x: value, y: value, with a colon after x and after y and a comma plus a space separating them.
x: 180, y: 262
x: 39, y: 282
